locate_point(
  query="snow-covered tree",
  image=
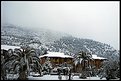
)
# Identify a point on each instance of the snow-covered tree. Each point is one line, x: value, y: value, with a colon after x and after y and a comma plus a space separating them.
x: 5, y: 62
x: 83, y: 58
x: 110, y: 70
x: 47, y: 66
x: 3, y: 70
x: 22, y: 58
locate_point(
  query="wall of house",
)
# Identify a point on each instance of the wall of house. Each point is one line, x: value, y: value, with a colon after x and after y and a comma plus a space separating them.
x: 78, y: 68
x: 96, y: 62
x: 56, y: 60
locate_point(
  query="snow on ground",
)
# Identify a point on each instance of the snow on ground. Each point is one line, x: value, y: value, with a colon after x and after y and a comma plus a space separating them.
x: 55, y: 77
x: 12, y: 76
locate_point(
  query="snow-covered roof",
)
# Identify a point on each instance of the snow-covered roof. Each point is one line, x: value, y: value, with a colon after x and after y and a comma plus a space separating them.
x: 56, y: 54
x: 6, y: 47
x: 96, y: 57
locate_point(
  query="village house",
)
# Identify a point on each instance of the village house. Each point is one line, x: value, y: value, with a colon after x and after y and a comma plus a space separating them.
x: 96, y: 62
x: 5, y: 48
x: 56, y: 58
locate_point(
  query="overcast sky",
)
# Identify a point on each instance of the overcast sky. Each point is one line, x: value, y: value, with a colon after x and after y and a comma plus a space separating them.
x: 92, y: 20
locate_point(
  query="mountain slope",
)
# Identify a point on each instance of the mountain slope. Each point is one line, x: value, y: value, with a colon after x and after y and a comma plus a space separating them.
x: 13, y: 35
x: 55, y: 41
x: 72, y: 45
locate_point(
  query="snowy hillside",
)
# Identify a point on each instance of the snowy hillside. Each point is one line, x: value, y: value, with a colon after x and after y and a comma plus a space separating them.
x: 56, y: 41
x: 12, y: 35
x: 72, y: 45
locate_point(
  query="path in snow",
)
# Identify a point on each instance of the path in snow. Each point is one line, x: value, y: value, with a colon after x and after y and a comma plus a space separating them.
x: 55, y: 77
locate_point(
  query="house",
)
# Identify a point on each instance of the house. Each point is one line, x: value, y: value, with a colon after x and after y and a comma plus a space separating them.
x: 7, y: 47
x: 96, y: 62
x: 56, y: 58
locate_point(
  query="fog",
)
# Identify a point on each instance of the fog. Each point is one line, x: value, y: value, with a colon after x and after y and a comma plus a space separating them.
x: 92, y: 20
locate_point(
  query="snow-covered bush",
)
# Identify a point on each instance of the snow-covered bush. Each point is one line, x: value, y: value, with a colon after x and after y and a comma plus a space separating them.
x: 110, y: 70
x: 47, y: 66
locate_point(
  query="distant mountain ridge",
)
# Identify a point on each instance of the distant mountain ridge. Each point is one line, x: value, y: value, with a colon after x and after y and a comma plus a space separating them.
x: 56, y: 41
x: 18, y: 35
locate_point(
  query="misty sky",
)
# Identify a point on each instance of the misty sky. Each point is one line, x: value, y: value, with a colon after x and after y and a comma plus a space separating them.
x: 92, y: 20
